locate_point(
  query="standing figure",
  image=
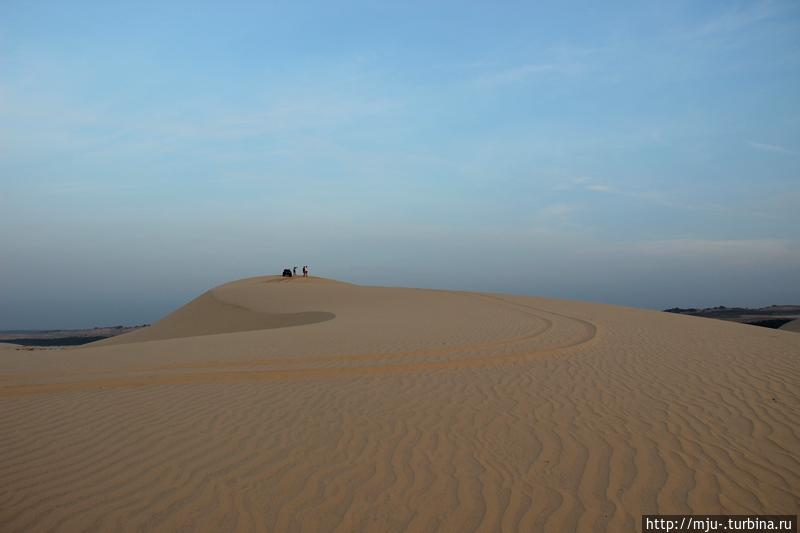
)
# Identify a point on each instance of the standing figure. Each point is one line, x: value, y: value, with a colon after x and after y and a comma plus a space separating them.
x: 294, y: 270
x: 305, y: 271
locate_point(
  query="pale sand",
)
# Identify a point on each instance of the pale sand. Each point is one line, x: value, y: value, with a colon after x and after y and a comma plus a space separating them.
x: 410, y: 410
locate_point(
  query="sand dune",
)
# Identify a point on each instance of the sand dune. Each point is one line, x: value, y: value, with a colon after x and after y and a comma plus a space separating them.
x: 224, y: 310
x: 273, y: 404
x: 794, y: 325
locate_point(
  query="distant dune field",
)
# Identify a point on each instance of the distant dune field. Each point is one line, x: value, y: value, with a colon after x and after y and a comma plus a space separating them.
x: 292, y: 404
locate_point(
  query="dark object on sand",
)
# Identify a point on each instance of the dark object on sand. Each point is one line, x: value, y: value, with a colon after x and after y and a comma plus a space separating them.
x: 287, y: 273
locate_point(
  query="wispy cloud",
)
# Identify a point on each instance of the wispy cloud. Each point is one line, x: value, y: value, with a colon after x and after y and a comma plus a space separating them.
x: 750, y: 251
x: 525, y: 72
x: 582, y: 183
x: 559, y: 212
x: 585, y: 183
x: 30, y: 120
x: 554, y: 62
x: 739, y: 18
x: 771, y: 148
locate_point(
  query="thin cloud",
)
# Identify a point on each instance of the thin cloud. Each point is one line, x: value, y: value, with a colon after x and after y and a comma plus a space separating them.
x: 557, y: 211
x: 584, y: 183
x: 581, y: 182
x: 771, y: 148
x: 750, y: 251
x: 523, y: 72
x: 589, y: 184
x: 514, y: 75
x: 738, y: 19
x: 556, y: 61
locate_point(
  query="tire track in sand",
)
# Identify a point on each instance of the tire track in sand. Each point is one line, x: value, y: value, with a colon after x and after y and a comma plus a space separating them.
x: 586, y: 332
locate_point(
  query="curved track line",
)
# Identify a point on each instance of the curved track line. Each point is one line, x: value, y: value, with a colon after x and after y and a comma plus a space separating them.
x: 589, y: 325
x: 470, y: 347
x: 239, y: 376
x: 262, y: 362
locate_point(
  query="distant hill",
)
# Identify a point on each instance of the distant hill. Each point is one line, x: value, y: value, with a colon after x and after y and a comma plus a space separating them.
x: 773, y: 316
x: 63, y: 337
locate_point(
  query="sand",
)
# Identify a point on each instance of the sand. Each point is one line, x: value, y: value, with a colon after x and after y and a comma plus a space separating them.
x: 273, y: 404
x: 794, y: 326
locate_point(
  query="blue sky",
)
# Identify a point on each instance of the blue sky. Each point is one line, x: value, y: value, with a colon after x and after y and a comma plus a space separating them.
x: 640, y: 153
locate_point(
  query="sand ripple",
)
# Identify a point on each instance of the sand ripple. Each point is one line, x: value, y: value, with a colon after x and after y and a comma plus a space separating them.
x: 410, y: 411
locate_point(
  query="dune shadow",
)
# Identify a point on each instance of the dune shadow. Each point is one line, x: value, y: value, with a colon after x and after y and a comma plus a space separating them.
x: 207, y: 315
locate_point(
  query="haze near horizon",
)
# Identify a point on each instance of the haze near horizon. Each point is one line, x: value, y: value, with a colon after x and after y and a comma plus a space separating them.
x: 641, y: 154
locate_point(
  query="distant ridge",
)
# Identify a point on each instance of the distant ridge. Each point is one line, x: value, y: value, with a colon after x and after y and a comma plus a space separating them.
x: 63, y: 337
x: 773, y: 316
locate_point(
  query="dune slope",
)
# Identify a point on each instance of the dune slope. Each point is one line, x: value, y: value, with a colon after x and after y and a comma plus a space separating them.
x: 794, y: 325
x: 219, y: 311
x: 386, y: 409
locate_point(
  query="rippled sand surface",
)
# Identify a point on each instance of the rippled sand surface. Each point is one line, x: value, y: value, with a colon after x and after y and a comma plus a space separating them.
x: 273, y: 404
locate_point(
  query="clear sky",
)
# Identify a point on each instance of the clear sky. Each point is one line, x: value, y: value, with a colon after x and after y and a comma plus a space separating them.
x: 643, y: 153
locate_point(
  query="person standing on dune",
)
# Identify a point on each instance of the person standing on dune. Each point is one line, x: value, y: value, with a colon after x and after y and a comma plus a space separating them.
x: 294, y: 270
x: 305, y: 271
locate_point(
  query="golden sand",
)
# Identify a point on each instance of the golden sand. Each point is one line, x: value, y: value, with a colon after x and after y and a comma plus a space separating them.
x: 273, y: 404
